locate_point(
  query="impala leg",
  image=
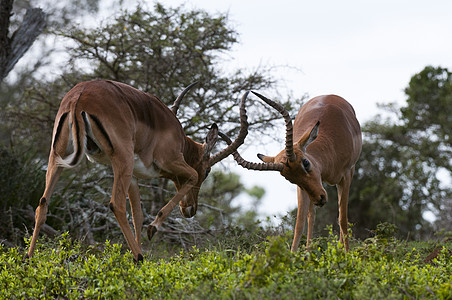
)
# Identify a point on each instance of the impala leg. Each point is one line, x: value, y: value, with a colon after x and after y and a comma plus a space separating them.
x: 311, y: 220
x: 184, y: 171
x: 166, y: 210
x: 343, y: 189
x: 52, y: 176
x: 137, y: 212
x: 122, y: 169
x: 303, y: 206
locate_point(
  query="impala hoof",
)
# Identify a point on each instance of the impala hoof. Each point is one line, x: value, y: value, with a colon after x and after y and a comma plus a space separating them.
x: 151, y: 231
x: 139, y: 259
x: 188, y: 211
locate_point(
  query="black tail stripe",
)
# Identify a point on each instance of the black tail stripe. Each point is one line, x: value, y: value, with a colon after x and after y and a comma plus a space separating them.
x: 85, y: 119
x: 78, y: 147
x: 59, y: 128
x: 102, y: 130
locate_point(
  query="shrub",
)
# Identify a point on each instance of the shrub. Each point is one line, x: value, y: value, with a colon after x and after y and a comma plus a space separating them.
x: 21, y: 185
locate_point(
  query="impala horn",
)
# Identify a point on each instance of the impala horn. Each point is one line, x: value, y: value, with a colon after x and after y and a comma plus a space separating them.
x: 232, y: 146
x: 179, y: 98
x: 289, y: 127
x: 251, y: 165
x: 289, y: 141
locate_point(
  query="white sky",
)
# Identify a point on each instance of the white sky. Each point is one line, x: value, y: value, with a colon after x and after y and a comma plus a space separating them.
x: 364, y: 51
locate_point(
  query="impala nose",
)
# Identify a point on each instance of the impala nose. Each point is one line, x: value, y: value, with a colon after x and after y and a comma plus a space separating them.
x: 321, y: 201
x: 188, y: 211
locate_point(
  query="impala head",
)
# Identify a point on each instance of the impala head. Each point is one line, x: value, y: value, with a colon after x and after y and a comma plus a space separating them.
x: 294, y: 163
x: 302, y: 169
x: 203, y: 161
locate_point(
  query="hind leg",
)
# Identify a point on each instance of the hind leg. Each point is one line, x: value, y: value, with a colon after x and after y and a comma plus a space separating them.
x: 137, y: 212
x: 52, y: 176
x: 122, y: 164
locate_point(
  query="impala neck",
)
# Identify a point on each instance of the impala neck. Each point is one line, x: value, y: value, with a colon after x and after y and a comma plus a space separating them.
x: 324, y: 155
x: 193, y: 152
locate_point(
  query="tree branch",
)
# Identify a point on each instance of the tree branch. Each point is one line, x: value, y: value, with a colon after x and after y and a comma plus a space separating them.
x: 15, y: 47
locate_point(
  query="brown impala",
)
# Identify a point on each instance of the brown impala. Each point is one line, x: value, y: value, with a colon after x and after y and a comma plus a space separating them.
x: 328, y: 145
x: 134, y: 132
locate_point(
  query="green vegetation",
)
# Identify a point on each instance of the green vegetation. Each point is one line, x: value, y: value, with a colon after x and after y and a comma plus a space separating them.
x: 381, y: 267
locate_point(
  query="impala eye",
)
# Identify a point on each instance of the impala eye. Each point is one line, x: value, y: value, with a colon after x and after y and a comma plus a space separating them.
x: 306, y: 165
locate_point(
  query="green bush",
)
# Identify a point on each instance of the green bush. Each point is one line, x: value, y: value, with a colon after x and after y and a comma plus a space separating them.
x: 374, y: 269
x: 21, y: 186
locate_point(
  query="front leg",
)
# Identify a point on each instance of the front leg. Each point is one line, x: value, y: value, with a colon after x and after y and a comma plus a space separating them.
x: 166, y: 210
x: 302, y: 212
x: 189, y: 177
x: 311, y: 220
x: 137, y: 212
x: 343, y: 189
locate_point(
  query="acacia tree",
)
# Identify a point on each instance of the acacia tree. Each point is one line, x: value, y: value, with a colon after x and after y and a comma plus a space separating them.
x: 158, y: 51
x: 163, y: 50
x: 14, y: 45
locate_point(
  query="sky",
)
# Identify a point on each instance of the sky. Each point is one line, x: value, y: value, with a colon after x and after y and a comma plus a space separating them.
x: 364, y: 51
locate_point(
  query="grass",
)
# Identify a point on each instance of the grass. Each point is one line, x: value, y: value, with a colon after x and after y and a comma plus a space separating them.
x: 378, y: 268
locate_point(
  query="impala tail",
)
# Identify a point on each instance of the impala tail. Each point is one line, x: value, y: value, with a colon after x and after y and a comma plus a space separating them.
x: 76, y: 135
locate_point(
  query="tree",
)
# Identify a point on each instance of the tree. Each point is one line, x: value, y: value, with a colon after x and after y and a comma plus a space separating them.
x: 428, y: 115
x: 163, y: 50
x: 429, y: 118
x: 397, y: 178
x: 159, y: 51
x: 13, y: 47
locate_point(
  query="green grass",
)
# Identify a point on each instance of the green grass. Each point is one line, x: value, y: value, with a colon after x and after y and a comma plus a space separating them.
x: 378, y: 268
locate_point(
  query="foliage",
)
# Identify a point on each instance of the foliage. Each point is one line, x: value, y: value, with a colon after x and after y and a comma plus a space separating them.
x: 428, y: 113
x: 21, y: 183
x: 378, y: 268
x: 165, y: 49
x: 404, y: 156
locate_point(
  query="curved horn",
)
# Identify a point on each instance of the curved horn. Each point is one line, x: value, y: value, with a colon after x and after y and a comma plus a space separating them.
x: 250, y: 165
x: 289, y: 128
x: 240, y: 138
x: 179, y: 98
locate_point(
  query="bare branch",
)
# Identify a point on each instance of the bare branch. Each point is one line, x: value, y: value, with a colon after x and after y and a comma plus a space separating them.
x: 22, y: 39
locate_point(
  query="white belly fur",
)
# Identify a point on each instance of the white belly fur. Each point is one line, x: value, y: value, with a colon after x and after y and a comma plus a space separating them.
x: 141, y: 171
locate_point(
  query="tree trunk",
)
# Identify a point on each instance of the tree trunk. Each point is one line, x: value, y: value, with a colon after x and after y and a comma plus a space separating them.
x: 14, y: 47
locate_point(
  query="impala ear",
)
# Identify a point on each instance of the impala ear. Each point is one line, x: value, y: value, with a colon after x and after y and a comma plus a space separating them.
x: 211, y: 140
x: 267, y: 159
x: 307, y: 139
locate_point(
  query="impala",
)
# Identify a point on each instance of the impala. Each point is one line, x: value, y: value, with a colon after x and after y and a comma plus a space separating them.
x: 140, y: 137
x: 328, y: 145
